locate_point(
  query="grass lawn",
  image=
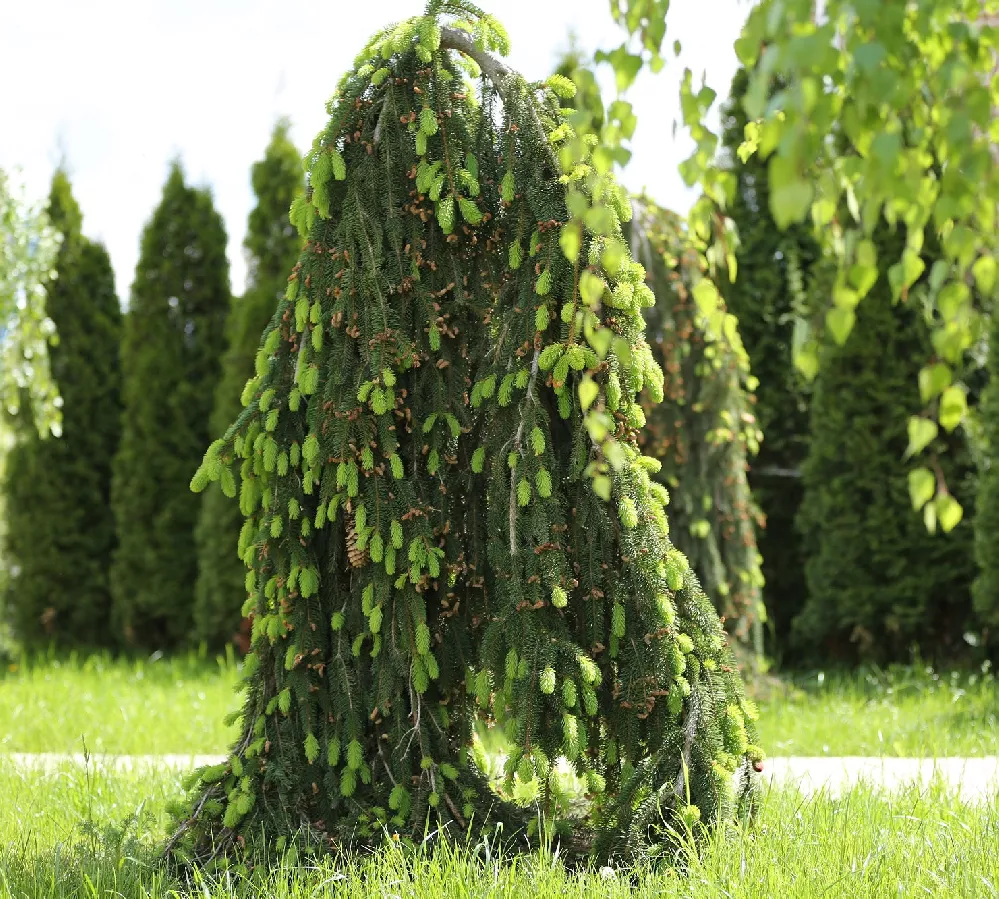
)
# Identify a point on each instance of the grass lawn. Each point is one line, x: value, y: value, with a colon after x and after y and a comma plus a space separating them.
x: 177, y: 705
x: 154, y: 705
x: 68, y: 833
x: 901, y: 712
x: 74, y: 832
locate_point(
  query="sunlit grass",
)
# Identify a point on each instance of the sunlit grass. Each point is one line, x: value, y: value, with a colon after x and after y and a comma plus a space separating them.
x: 78, y: 833
x: 148, y: 705
x: 178, y: 704
x: 908, y: 711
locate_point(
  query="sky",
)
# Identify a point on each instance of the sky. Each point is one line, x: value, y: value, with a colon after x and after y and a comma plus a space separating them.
x: 119, y: 88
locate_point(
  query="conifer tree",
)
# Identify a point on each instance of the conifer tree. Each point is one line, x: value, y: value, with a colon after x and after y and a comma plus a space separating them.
x: 60, y: 531
x: 773, y: 268
x: 173, y: 341
x: 272, y: 245
x: 703, y: 432
x: 986, y: 524
x: 423, y: 533
x: 879, y: 582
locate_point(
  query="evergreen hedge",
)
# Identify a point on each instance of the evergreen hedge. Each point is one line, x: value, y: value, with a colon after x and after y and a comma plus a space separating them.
x: 272, y: 245
x: 879, y: 583
x: 171, y: 350
x: 986, y: 586
x: 60, y: 531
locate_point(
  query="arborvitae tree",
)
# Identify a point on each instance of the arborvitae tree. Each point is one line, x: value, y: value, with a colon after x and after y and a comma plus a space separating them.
x: 703, y: 433
x: 272, y: 245
x: 986, y: 586
x: 879, y: 583
x: 773, y: 266
x: 60, y: 530
x: 173, y: 341
x: 422, y: 530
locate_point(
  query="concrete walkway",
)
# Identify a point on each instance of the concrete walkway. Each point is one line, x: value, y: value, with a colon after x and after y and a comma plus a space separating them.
x: 973, y: 779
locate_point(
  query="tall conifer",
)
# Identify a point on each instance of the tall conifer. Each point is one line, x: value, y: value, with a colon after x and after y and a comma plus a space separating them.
x: 173, y: 341
x: 879, y: 583
x: 986, y: 586
x: 60, y: 532
x: 425, y: 542
x: 773, y: 268
x: 272, y: 245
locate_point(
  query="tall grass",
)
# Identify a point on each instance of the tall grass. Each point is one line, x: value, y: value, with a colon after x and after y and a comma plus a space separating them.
x: 78, y: 833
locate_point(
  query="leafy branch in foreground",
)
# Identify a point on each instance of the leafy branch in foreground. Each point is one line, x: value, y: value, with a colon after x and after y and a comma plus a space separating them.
x: 910, y: 91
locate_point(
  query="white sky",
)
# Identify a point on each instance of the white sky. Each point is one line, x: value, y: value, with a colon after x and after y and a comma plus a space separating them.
x: 120, y: 87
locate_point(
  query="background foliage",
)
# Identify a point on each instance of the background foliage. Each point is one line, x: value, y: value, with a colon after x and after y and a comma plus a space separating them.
x: 272, y: 244
x: 60, y: 530
x: 174, y: 337
x: 879, y: 583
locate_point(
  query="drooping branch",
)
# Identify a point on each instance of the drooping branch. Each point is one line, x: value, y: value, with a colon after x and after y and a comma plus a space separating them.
x: 500, y: 74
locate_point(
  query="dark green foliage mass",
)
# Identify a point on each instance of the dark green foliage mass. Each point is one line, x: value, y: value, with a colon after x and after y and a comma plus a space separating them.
x: 773, y: 266
x: 60, y: 530
x: 425, y: 543
x: 173, y: 341
x: 879, y: 584
x: 986, y: 586
x: 272, y: 245
x: 703, y: 433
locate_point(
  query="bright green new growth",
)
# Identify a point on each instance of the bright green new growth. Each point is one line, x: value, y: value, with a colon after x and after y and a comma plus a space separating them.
x: 703, y: 433
x: 273, y: 244
x: 426, y: 544
x: 60, y: 532
x: 173, y: 340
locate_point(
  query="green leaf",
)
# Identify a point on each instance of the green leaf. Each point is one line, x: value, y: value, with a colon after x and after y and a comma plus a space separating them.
x: 570, y: 240
x: 790, y: 194
x: 984, y: 271
x: 953, y: 406
x: 840, y: 321
x: 930, y: 517
x: 707, y: 297
x: 902, y: 275
x: 933, y: 379
x: 588, y: 392
x: 949, y: 512
x: 591, y: 288
x: 951, y: 299
x: 602, y: 487
x: 921, y: 487
x: 922, y: 431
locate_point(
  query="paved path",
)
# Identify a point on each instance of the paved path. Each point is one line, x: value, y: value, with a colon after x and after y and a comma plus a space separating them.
x: 974, y: 779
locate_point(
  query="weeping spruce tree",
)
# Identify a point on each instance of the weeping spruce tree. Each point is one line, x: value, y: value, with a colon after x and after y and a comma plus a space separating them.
x: 60, y: 532
x: 424, y: 541
x: 272, y: 245
x: 172, y: 343
x: 703, y: 433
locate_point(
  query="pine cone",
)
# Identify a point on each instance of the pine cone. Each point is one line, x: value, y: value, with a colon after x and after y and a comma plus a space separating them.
x: 358, y: 558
